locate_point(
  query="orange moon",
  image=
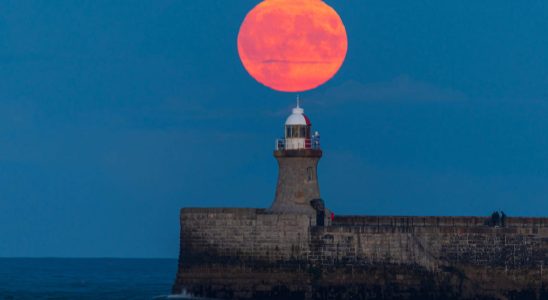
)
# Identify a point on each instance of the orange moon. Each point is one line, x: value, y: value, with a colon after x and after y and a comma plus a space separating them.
x: 292, y: 45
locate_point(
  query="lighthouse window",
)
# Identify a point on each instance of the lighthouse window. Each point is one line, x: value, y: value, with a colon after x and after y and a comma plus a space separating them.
x: 309, y: 173
x: 295, y: 131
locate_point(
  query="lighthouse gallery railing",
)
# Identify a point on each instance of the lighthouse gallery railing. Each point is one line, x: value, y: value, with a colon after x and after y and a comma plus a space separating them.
x: 313, y: 143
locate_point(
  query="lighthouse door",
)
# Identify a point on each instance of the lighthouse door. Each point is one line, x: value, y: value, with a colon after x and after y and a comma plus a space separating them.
x: 319, y: 206
x: 320, y: 218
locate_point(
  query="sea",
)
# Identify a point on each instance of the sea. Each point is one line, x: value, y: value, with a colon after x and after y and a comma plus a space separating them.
x: 68, y: 278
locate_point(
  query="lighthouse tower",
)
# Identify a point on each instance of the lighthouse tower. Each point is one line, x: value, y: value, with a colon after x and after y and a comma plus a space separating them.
x: 297, y: 154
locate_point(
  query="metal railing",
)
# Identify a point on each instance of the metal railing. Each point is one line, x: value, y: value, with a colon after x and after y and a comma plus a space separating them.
x: 313, y: 143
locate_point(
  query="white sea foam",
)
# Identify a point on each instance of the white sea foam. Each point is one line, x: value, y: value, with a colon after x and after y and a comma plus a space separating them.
x: 183, y: 295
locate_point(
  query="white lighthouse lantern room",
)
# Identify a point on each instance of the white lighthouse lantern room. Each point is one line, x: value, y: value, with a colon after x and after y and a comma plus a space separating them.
x: 298, y: 132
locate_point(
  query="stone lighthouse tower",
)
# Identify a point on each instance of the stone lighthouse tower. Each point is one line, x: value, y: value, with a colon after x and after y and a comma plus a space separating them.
x: 298, y: 154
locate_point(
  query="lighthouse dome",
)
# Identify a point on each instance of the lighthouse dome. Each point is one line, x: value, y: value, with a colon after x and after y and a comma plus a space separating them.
x: 298, y: 117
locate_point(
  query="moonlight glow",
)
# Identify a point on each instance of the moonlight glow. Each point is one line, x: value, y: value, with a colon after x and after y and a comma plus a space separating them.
x: 292, y: 45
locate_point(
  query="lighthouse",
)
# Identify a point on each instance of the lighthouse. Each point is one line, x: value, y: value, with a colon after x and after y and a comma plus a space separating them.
x: 298, y: 154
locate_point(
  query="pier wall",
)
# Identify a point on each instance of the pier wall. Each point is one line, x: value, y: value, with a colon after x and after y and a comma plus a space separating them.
x: 251, y: 253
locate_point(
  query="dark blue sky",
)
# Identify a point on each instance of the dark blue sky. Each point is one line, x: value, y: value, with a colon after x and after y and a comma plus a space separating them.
x: 115, y: 114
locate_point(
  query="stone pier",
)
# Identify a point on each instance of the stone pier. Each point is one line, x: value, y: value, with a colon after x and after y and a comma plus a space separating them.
x: 254, y: 253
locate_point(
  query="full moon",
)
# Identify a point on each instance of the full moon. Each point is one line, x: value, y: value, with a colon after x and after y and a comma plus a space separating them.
x: 292, y: 45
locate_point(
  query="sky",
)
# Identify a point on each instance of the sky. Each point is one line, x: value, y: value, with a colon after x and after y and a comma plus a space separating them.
x: 116, y: 114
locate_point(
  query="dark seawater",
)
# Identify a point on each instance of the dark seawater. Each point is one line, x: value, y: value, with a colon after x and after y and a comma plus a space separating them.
x: 22, y: 278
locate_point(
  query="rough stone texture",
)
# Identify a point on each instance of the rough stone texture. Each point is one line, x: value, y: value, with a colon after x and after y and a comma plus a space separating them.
x: 251, y: 253
x: 297, y: 181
